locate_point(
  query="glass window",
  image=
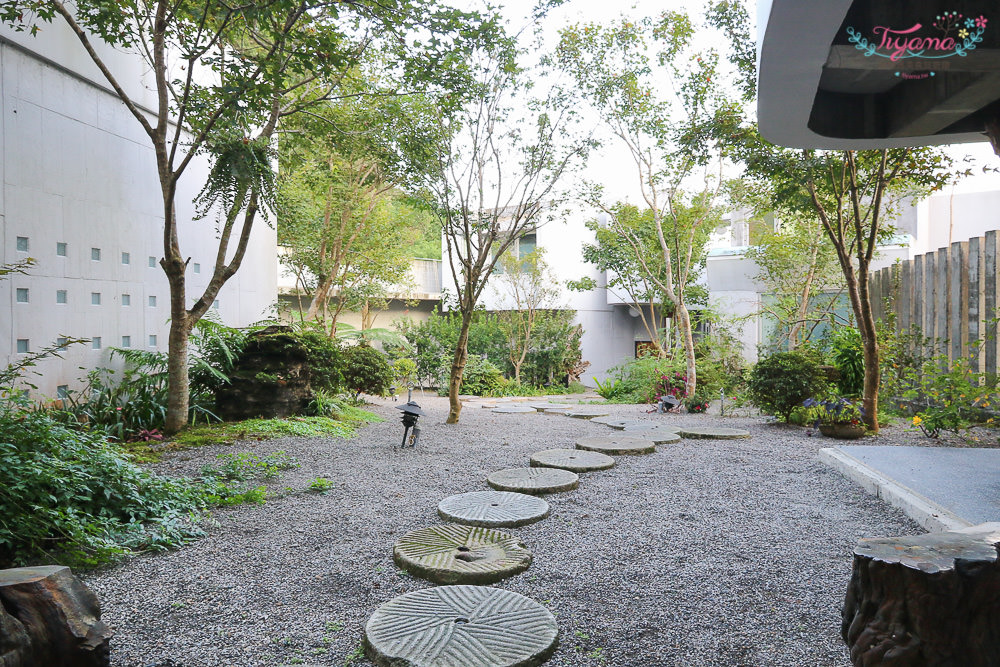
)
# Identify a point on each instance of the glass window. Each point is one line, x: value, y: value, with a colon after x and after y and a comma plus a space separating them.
x: 126, y: 341
x: 61, y: 341
x: 22, y: 294
x: 62, y: 391
x: 22, y: 346
x: 152, y: 340
x: 95, y: 342
x: 126, y: 258
x: 22, y: 244
x: 152, y: 302
x: 152, y: 262
x: 126, y: 299
x: 197, y: 267
x: 60, y: 296
x: 61, y: 249
x: 215, y: 304
x: 95, y: 254
x: 95, y: 298
x: 526, y: 245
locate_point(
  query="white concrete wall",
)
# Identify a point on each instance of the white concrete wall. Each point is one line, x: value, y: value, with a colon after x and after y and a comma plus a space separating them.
x: 76, y: 168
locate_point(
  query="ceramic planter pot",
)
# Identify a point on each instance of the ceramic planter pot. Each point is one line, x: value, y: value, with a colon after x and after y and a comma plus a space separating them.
x: 842, y: 431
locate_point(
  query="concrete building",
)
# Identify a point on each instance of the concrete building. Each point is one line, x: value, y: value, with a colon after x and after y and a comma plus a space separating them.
x: 81, y: 197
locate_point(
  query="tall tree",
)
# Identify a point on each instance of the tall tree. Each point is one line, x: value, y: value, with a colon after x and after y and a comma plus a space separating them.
x: 671, y: 132
x: 223, y: 76
x: 526, y: 288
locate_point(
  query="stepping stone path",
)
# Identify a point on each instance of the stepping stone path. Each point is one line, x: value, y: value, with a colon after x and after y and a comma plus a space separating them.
x: 586, y: 413
x: 710, y: 433
x: 513, y: 409
x: 493, y: 509
x: 467, y: 626
x: 453, y: 554
x: 541, y: 407
x: 574, y: 460
x: 620, y: 424
x: 657, y: 435
x: 533, y: 480
x: 651, y: 426
x: 621, y: 444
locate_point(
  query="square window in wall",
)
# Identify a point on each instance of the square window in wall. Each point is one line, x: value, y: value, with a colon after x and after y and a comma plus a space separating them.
x: 62, y: 341
x: 215, y: 304
x: 152, y: 340
x: 126, y: 299
x: 62, y: 391
x: 126, y: 258
x: 152, y: 302
x: 61, y: 249
x: 95, y: 298
x: 22, y: 244
x: 95, y: 254
x: 197, y: 267
x: 95, y: 342
x: 152, y: 262
x: 60, y: 296
x: 22, y: 294
x: 23, y: 347
x: 126, y: 341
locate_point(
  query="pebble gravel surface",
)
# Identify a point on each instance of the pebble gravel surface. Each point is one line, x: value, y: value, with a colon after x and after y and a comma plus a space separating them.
x: 707, y: 552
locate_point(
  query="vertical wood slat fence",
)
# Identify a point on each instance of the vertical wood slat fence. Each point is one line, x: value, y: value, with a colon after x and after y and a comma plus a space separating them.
x: 950, y: 294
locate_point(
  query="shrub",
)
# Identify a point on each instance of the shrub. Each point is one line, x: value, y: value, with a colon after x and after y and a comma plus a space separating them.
x: 482, y: 378
x: 405, y: 370
x: 781, y: 382
x: 848, y: 359
x: 697, y: 403
x: 366, y: 371
x: 325, y: 359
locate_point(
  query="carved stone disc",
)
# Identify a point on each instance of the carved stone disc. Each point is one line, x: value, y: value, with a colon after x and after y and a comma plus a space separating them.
x: 493, y: 509
x: 712, y: 433
x: 651, y: 426
x: 513, y: 409
x: 616, y: 444
x: 660, y: 436
x: 452, y: 554
x: 461, y: 626
x: 617, y: 423
x: 533, y: 480
x: 541, y: 407
x: 586, y: 413
x: 574, y: 460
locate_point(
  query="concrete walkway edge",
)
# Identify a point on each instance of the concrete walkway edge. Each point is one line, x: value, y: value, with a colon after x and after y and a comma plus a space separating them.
x: 928, y: 514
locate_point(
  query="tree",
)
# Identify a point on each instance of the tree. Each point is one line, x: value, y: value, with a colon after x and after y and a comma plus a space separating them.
x: 620, y: 69
x: 223, y: 76
x: 527, y: 288
x: 496, y: 174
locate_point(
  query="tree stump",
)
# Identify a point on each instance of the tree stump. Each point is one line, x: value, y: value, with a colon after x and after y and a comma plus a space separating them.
x: 931, y: 599
x: 49, y: 617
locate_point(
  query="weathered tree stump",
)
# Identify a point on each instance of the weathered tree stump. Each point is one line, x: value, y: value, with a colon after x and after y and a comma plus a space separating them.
x: 927, y: 600
x: 49, y: 617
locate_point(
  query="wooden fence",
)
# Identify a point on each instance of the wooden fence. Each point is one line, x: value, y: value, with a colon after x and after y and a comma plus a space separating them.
x: 950, y: 295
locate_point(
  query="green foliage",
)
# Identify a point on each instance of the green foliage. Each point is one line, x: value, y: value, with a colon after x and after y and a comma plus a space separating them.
x: 697, y: 403
x: 947, y: 396
x: 320, y: 485
x: 609, y: 389
x: 848, y: 359
x: 265, y: 429
x: 366, y: 371
x: 482, y: 378
x: 405, y: 370
x: 325, y: 359
x: 232, y: 482
x: 781, y: 382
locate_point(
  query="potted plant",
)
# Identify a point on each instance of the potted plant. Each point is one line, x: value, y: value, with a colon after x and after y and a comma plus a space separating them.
x: 837, y: 417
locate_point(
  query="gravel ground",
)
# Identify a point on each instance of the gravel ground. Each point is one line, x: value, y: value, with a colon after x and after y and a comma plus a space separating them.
x: 704, y: 553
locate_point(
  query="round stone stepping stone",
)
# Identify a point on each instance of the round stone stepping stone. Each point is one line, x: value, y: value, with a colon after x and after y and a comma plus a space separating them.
x: 620, y: 444
x: 712, y: 433
x: 657, y: 435
x: 617, y: 423
x: 586, y: 413
x: 513, y: 409
x: 533, y: 480
x: 453, y: 554
x: 470, y: 626
x: 545, y: 406
x: 651, y: 426
x: 557, y: 410
x: 574, y: 460
x: 493, y: 509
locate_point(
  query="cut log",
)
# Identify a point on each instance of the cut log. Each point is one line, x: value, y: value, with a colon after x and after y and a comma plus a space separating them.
x: 931, y: 599
x: 54, y: 620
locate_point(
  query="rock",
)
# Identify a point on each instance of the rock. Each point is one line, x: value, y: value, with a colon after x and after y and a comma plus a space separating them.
x: 514, y: 409
x: 493, y: 509
x: 619, y: 424
x: 534, y: 481
x: 453, y: 554
x: 574, y: 460
x: 932, y: 599
x: 651, y: 426
x: 616, y: 444
x: 659, y: 435
x: 49, y: 617
x: 270, y: 379
x: 586, y: 413
x: 712, y: 433
x: 467, y: 626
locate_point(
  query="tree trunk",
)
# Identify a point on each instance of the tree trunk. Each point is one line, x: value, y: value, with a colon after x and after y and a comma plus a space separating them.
x: 178, y: 397
x: 458, y: 368
x: 687, y: 339
x: 804, y: 298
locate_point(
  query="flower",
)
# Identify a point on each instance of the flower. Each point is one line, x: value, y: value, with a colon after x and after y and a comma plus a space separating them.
x: 917, y: 420
x: 963, y: 33
x: 981, y: 22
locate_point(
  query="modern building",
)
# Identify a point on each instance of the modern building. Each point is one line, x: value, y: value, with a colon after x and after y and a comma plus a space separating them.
x: 80, y: 196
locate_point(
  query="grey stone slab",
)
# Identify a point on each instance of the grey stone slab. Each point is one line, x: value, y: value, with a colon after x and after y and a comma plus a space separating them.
x: 618, y: 423
x: 658, y: 435
x: 493, y: 509
x: 541, y: 407
x: 712, y: 433
x: 651, y: 426
x: 574, y: 460
x: 454, y: 554
x: 586, y: 413
x: 619, y: 444
x: 460, y: 626
x: 533, y: 481
x: 513, y: 409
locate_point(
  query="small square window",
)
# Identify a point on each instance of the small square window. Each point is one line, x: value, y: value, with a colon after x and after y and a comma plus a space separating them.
x: 22, y: 244
x: 95, y: 342
x: 152, y: 262
x: 152, y: 340
x: 126, y: 258
x: 61, y: 249
x: 126, y: 299
x: 126, y: 341
x: 22, y: 294
x: 62, y: 341
x: 152, y: 302
x: 95, y: 254
x: 95, y: 298
x: 23, y: 346
x: 197, y: 267
x: 215, y: 304
x: 60, y: 296
x: 62, y: 391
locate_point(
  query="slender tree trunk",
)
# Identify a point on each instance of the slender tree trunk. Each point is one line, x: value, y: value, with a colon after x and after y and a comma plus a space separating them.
x: 458, y: 368
x: 804, y: 297
x: 687, y: 339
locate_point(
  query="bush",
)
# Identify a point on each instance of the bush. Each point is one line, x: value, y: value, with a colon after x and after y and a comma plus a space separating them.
x: 848, y: 359
x: 781, y: 382
x: 325, y: 359
x: 482, y: 378
x: 366, y: 371
x: 697, y: 403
